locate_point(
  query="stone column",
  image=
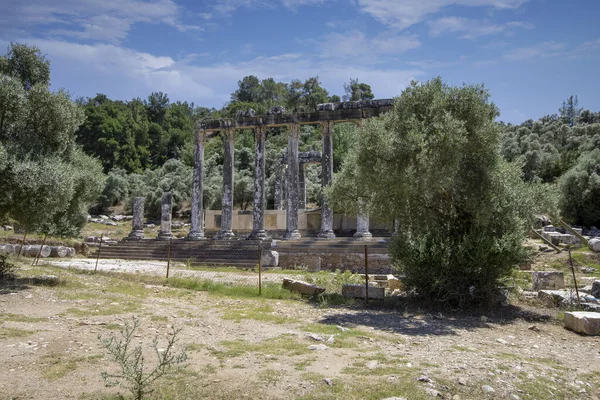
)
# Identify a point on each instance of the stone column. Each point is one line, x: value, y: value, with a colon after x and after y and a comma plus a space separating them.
x: 197, y: 226
x: 279, y: 188
x: 362, y: 222
x: 227, y: 210
x: 137, y: 224
x: 165, y: 218
x: 291, y: 178
x: 302, y: 187
x: 326, y: 180
x: 258, y: 212
x: 395, y: 226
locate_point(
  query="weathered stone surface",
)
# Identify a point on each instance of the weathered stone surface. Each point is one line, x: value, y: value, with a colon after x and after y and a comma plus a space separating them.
x: 137, y: 223
x: 291, y: 178
x: 362, y: 222
x: 359, y: 291
x: 558, y: 298
x: 34, y: 250
x: 549, y: 228
x: 583, y: 322
x: 71, y: 252
x: 226, y: 232
x: 269, y: 259
x: 7, y: 249
x: 548, y: 280
x: 313, y: 263
x: 302, y: 287
x: 197, y: 214
x: 258, y: 211
x: 354, y: 262
x: 394, y: 283
x: 595, y: 289
x: 326, y: 180
x: 165, y: 218
x: 594, y: 245
x: 59, y: 251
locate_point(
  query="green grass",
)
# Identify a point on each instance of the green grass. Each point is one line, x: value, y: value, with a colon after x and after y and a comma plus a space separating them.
x: 6, y: 333
x: 284, y: 345
x: 385, y: 367
x: 270, y: 376
x: 544, y: 389
x: 20, y: 318
x: 57, y: 366
x: 269, y: 290
x: 263, y: 312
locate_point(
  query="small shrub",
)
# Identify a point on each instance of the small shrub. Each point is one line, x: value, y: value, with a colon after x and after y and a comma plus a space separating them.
x: 7, y: 269
x: 133, y: 375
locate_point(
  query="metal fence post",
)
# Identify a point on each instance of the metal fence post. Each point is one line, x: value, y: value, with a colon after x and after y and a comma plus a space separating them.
x: 259, y: 269
x: 366, y: 276
x: 169, y: 258
x: 98, y: 255
x: 574, y: 279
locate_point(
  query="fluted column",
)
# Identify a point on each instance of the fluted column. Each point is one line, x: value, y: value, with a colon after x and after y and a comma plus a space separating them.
x: 258, y: 212
x: 362, y: 222
x: 196, y: 222
x: 227, y: 210
x: 291, y: 193
x: 326, y: 180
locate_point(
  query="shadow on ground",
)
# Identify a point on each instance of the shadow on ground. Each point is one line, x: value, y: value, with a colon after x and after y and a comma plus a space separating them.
x: 434, y: 322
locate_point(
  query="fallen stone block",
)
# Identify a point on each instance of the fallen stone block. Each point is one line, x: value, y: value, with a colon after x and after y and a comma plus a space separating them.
x: 558, y: 298
x: 594, y: 245
x: 269, y: 259
x: 548, y: 280
x: 394, y: 283
x: 595, y: 289
x: 359, y: 291
x: 583, y: 322
x: 302, y: 287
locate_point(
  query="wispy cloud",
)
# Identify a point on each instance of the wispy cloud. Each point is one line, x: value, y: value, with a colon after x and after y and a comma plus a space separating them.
x: 126, y: 73
x: 229, y: 6
x: 363, y: 50
x: 545, y: 49
x: 471, y: 28
x: 405, y: 13
x: 96, y: 20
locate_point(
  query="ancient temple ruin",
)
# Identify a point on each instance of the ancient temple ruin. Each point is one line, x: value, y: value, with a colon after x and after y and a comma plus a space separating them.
x: 327, y: 115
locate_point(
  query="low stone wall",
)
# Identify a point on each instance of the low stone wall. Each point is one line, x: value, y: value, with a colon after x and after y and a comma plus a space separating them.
x: 355, y: 262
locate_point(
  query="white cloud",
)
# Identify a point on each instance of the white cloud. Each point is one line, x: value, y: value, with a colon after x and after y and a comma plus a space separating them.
x: 124, y: 73
x: 546, y: 49
x: 356, y: 46
x: 100, y: 20
x: 402, y: 14
x: 471, y: 28
x: 229, y: 6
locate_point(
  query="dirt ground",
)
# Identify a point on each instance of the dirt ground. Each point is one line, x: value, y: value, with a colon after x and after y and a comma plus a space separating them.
x: 259, y: 348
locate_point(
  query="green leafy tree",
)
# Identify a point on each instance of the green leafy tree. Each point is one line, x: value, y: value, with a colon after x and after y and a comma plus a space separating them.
x: 433, y: 163
x: 570, y: 110
x: 580, y: 190
x: 356, y: 90
x: 27, y: 64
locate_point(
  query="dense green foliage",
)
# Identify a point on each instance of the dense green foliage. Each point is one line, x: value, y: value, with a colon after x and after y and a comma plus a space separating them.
x: 433, y: 164
x: 47, y: 181
x: 557, y: 148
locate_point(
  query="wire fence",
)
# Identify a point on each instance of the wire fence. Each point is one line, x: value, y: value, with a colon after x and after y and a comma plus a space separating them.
x: 240, y: 263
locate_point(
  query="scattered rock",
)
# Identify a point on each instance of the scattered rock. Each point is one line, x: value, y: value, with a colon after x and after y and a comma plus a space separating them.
x: 328, y: 381
x: 588, y: 270
x: 424, y: 378
x: 583, y: 322
x: 463, y: 381
x: 487, y: 389
x: 331, y: 339
x: 269, y: 259
x: 534, y: 328
x: 433, y: 392
x: 302, y: 287
x: 315, y: 337
x: 502, y: 341
x: 548, y: 280
x: 317, y: 347
x: 373, y: 364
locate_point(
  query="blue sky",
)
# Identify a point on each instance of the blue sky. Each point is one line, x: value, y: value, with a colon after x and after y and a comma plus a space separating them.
x: 531, y: 54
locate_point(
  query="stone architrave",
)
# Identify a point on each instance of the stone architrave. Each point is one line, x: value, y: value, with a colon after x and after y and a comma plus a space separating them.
x: 258, y: 212
x: 137, y: 223
x: 165, y: 218
x: 197, y: 218
x: 326, y: 180
x: 226, y: 232
x: 291, y: 179
x: 362, y: 222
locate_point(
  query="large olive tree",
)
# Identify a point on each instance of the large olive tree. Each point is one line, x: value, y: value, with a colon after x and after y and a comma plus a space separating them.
x: 433, y: 164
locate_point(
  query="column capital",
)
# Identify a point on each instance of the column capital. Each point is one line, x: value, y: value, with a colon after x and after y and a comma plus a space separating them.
x: 326, y: 127
x: 294, y: 130
x: 201, y: 135
x: 228, y: 134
